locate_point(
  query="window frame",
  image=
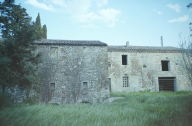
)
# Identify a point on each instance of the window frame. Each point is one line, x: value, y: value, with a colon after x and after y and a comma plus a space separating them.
x: 124, y: 59
x: 167, y: 67
x: 125, y: 81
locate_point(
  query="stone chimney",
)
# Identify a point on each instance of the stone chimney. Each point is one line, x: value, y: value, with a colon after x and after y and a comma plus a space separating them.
x: 127, y: 44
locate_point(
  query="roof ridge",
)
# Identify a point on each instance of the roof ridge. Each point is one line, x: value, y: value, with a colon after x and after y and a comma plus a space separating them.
x: 70, y: 42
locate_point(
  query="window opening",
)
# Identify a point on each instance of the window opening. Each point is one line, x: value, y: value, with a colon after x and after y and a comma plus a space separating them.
x: 54, y: 52
x: 165, y: 65
x: 124, y: 59
x: 85, y: 85
x: 52, y: 86
x: 125, y: 82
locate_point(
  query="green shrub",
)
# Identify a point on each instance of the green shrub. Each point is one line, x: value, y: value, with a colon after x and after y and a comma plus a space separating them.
x: 30, y: 100
x: 5, y: 100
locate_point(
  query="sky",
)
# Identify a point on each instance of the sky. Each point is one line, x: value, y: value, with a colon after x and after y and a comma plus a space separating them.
x: 141, y: 22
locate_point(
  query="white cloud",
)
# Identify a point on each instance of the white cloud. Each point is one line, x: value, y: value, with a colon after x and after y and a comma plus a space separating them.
x: 175, y: 7
x: 40, y: 5
x: 109, y: 16
x: 179, y: 19
x: 100, y: 3
x: 58, y: 2
x: 83, y: 11
x: 158, y: 12
x: 88, y: 17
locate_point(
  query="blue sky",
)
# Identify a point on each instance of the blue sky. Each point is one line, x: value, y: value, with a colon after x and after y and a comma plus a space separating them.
x: 141, y: 22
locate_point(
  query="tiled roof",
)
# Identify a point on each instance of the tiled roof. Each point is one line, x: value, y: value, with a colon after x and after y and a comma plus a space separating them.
x: 141, y: 48
x: 70, y: 42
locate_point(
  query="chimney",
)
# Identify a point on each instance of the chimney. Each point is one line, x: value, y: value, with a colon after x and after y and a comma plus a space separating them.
x: 127, y: 44
x: 161, y: 41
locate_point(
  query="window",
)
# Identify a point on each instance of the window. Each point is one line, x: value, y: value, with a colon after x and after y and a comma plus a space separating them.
x: 85, y: 85
x: 124, y: 59
x: 125, y: 82
x: 52, y: 86
x: 165, y: 65
x: 109, y: 64
x: 54, y: 52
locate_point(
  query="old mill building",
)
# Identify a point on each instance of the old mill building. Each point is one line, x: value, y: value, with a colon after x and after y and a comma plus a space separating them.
x: 82, y: 70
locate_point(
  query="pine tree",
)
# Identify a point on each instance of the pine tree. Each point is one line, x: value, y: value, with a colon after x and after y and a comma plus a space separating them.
x: 38, y: 30
x: 17, y: 58
x: 44, y: 30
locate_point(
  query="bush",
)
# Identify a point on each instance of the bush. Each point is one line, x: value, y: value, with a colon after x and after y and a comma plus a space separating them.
x: 5, y: 100
x: 30, y: 100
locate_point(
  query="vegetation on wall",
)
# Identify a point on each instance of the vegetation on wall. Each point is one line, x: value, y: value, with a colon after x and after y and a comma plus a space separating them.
x: 18, y: 60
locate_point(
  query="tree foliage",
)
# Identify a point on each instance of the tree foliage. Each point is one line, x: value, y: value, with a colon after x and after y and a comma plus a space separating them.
x: 187, y: 53
x: 18, y: 60
x: 44, y: 31
x: 190, y: 6
x: 40, y: 32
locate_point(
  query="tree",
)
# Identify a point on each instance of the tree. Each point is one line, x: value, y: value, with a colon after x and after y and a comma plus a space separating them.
x: 187, y: 53
x: 40, y: 32
x: 44, y: 30
x: 190, y: 6
x: 18, y: 60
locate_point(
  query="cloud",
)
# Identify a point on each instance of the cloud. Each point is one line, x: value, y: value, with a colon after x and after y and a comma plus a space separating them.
x: 175, y: 7
x: 58, y: 2
x: 109, y: 16
x: 100, y: 3
x: 179, y: 19
x: 40, y: 5
x: 88, y: 17
x: 158, y: 12
x: 83, y: 11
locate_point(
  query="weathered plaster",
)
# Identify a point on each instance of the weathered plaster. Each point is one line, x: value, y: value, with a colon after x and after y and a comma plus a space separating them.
x: 143, y: 70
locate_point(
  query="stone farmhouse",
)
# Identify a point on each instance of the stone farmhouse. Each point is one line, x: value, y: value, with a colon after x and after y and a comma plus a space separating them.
x: 86, y: 71
x: 145, y: 68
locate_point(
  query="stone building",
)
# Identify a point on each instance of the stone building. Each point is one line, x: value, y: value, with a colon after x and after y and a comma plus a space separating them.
x: 86, y: 71
x: 144, y: 68
x: 73, y: 71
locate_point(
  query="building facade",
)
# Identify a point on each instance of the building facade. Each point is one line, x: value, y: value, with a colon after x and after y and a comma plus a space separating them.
x: 145, y: 68
x: 73, y: 71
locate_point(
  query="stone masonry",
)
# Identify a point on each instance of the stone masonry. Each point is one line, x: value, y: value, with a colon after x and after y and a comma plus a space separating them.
x: 76, y: 71
x: 144, y: 68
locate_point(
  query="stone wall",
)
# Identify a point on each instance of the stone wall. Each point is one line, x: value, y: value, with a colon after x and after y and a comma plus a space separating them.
x: 71, y: 74
x: 143, y: 70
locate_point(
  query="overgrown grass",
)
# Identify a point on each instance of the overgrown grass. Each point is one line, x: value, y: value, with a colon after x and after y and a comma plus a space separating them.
x: 135, y: 109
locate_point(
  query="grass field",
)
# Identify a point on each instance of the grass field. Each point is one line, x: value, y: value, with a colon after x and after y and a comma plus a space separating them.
x: 135, y: 109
